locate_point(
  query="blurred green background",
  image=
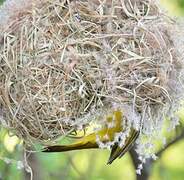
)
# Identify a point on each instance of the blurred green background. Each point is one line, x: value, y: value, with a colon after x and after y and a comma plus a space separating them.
x: 90, y: 164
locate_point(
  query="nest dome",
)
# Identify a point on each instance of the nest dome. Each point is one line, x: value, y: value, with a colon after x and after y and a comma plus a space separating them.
x: 65, y: 64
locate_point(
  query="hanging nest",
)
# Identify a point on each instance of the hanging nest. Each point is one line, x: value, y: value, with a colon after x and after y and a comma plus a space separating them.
x: 65, y: 64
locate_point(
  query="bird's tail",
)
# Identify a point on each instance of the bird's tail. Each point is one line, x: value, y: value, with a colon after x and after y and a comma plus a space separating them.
x: 75, y: 146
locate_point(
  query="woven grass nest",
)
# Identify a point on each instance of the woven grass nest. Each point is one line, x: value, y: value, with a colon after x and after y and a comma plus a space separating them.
x: 65, y: 64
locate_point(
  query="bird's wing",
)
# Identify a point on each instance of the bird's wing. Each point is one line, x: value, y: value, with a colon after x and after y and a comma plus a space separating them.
x: 131, y: 143
x: 116, y: 151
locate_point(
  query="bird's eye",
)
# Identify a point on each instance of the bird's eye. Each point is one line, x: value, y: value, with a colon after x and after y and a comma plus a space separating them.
x: 119, y: 139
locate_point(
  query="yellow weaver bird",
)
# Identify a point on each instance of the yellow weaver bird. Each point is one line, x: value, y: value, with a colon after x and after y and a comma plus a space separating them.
x: 105, y: 135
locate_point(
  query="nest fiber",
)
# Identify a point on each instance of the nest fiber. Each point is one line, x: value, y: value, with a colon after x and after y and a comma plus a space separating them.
x: 65, y: 64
